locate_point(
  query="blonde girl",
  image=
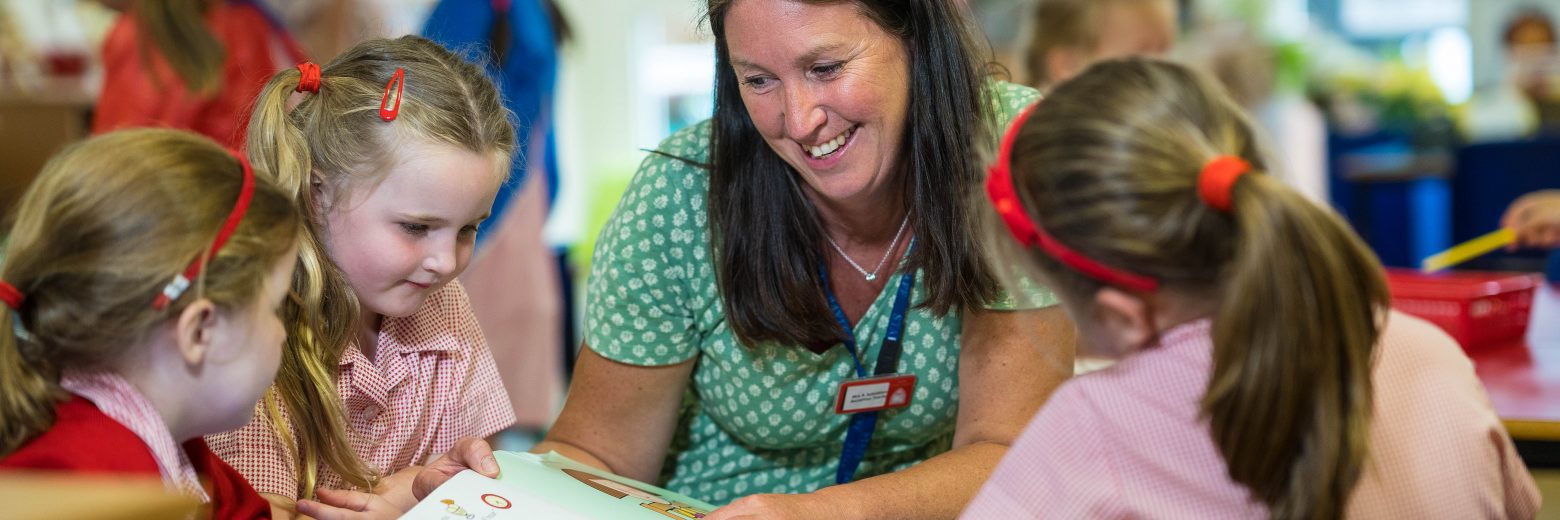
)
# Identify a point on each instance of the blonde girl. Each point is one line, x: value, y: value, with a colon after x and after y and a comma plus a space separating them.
x: 1262, y: 372
x: 142, y: 281
x: 394, y: 151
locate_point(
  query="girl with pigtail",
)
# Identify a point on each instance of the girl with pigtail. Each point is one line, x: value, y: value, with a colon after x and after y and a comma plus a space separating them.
x: 1262, y: 373
x: 394, y: 151
x: 141, y: 282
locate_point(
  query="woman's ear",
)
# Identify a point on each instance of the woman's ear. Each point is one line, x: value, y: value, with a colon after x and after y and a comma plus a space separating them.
x: 1124, y: 318
x: 195, y: 331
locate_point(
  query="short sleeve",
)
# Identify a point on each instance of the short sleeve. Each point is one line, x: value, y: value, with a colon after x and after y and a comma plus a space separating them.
x: 1008, y: 100
x: 258, y: 454
x: 637, y: 304
x: 487, y: 408
x: 1059, y: 468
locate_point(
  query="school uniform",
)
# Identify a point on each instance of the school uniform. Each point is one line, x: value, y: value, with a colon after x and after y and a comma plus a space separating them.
x: 1130, y: 441
x: 431, y: 383
x: 140, y: 89
x: 106, y: 427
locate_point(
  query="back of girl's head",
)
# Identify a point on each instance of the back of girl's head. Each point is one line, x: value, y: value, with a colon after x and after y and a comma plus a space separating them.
x: 105, y: 226
x: 1109, y: 166
x: 333, y: 143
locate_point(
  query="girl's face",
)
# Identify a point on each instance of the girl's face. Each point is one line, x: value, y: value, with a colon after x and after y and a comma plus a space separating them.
x: 246, y: 351
x: 827, y: 88
x: 404, y: 238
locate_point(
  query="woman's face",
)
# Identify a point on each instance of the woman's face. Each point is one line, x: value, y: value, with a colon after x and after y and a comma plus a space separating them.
x: 827, y: 88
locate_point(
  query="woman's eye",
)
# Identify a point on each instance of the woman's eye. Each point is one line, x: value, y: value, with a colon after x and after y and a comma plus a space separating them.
x: 414, y: 229
x: 468, y: 231
x: 827, y: 69
x: 756, y: 82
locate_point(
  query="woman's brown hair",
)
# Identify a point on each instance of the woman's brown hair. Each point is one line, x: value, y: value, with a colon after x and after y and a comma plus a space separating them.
x: 1109, y: 163
x: 768, y: 238
x: 103, y: 228
x: 334, y: 141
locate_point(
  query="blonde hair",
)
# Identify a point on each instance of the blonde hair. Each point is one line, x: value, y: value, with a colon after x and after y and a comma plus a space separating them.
x: 1108, y: 164
x: 105, y: 226
x: 336, y: 137
x: 177, y: 29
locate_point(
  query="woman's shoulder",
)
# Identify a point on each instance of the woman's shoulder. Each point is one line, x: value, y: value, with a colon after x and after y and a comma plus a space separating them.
x: 1008, y: 99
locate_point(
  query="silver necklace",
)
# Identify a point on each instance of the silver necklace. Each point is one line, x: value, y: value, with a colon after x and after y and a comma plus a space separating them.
x: 872, y: 275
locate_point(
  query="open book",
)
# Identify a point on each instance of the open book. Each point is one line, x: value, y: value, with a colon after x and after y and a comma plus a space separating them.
x: 553, y: 487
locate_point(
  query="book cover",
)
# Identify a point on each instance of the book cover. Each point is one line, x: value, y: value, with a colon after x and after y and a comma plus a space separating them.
x: 553, y: 487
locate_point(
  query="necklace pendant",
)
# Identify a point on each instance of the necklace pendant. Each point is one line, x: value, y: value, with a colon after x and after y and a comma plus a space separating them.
x: 872, y: 277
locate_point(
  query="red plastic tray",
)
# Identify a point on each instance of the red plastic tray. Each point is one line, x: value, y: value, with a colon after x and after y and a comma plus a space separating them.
x: 1476, y: 308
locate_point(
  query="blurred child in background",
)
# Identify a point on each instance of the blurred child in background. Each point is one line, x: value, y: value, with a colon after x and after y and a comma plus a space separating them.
x: 1068, y: 35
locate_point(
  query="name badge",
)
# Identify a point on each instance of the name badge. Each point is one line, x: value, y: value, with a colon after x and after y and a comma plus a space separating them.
x: 875, y: 393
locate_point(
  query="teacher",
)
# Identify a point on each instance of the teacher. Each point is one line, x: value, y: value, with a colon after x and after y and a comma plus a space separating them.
x: 818, y: 230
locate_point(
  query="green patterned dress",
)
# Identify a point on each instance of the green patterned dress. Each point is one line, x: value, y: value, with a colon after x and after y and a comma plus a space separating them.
x: 758, y: 420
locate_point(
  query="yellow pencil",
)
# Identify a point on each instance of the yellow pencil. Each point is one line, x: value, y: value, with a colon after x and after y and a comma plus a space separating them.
x: 1467, y: 250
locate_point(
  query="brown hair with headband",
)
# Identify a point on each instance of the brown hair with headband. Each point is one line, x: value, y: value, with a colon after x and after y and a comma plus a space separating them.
x: 340, y: 137
x: 96, y: 239
x: 1109, y: 165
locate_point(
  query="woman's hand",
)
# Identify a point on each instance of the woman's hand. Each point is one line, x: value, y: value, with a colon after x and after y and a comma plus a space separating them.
x: 1535, y: 218
x: 469, y: 453
x: 776, y: 507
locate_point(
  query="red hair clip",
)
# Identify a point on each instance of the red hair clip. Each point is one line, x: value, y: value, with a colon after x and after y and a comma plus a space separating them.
x: 1217, y: 181
x: 12, y: 296
x: 180, y: 283
x: 308, y: 77
x: 1003, y: 194
x: 397, y: 82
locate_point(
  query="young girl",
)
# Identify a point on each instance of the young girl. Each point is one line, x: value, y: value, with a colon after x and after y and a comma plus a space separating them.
x: 395, y: 151
x: 192, y: 64
x: 1263, y: 374
x: 141, y: 285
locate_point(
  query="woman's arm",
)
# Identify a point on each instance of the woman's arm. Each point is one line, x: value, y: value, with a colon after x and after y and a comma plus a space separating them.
x: 619, y: 417
x: 1009, y: 364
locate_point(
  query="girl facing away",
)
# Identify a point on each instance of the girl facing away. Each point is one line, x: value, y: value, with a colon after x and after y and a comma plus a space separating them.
x: 394, y: 151
x: 142, y: 282
x: 1262, y: 372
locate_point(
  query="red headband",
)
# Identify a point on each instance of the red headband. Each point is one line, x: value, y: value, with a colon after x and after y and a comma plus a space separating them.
x: 12, y: 296
x: 176, y: 288
x: 308, y: 77
x: 1218, y: 179
x: 999, y: 187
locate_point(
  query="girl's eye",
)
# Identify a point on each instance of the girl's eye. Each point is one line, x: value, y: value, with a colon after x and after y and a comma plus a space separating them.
x: 414, y: 229
x: 468, y: 231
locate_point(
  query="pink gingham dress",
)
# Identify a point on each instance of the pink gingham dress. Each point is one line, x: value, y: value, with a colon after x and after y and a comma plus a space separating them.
x: 1128, y: 442
x: 434, y: 382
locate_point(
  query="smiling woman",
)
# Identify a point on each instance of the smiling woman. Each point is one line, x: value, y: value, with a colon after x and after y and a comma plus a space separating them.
x: 817, y: 230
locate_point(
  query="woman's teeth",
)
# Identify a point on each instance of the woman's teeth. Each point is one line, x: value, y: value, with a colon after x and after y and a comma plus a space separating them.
x: 820, y: 151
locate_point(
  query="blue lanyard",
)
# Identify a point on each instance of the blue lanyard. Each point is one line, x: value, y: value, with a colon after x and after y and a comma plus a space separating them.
x: 863, y: 424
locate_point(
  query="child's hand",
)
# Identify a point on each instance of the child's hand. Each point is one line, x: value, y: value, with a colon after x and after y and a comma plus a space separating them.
x: 337, y: 504
x: 468, y: 453
x: 1535, y: 218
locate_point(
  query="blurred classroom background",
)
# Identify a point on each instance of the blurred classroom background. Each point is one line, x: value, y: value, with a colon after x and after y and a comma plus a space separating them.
x: 1419, y: 120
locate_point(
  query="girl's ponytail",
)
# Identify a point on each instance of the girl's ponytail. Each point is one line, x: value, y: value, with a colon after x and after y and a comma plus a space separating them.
x: 28, y: 392
x: 178, y: 30
x: 1289, y: 400
x: 303, y: 405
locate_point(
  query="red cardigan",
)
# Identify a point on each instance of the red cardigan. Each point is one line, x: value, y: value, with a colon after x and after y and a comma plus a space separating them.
x: 146, y: 92
x: 84, y: 440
